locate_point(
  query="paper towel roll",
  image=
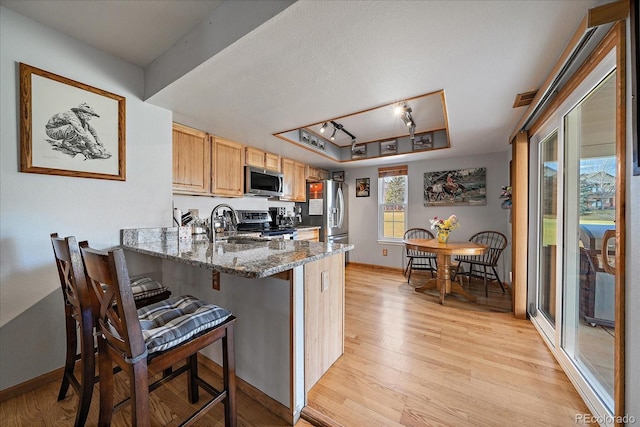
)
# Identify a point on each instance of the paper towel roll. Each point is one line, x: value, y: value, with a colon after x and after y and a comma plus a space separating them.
x: 177, y: 216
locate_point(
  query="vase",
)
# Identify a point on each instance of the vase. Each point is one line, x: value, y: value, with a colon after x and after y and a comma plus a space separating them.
x: 443, y: 236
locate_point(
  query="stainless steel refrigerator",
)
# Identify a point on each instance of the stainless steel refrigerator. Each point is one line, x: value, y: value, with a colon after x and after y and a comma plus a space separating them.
x: 326, y: 206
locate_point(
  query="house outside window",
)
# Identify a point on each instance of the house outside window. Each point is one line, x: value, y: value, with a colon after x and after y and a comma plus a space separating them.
x: 392, y: 203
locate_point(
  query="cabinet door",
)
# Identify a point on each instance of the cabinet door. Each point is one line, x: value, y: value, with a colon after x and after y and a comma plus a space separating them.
x: 311, y: 235
x: 191, y: 160
x: 289, y: 178
x: 227, y: 165
x: 300, y: 182
x: 323, y: 316
x: 255, y: 157
x: 272, y: 162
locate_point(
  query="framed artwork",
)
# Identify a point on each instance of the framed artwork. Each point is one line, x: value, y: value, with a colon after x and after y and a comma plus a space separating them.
x: 423, y: 141
x: 362, y: 187
x: 455, y: 187
x: 359, y: 152
x: 388, y: 147
x: 304, y: 136
x: 70, y: 128
x: 338, y: 176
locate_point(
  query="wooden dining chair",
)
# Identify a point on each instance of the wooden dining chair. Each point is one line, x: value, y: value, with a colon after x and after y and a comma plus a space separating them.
x: 419, y: 260
x: 496, y: 242
x: 81, y: 309
x: 153, y: 339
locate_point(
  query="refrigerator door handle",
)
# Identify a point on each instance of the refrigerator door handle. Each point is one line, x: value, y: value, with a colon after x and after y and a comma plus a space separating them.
x: 340, y: 207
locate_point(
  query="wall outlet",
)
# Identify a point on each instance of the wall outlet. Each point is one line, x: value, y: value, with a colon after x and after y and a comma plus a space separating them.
x: 324, y: 281
x: 385, y: 252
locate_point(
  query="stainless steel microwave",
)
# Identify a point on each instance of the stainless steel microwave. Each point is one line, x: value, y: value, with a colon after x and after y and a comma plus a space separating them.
x: 261, y: 182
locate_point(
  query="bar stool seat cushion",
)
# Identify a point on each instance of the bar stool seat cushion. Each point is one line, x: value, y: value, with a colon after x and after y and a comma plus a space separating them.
x: 168, y: 323
x: 144, y: 287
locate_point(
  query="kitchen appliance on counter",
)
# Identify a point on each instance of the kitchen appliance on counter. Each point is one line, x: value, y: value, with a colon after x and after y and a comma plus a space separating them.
x: 326, y: 206
x: 261, y: 221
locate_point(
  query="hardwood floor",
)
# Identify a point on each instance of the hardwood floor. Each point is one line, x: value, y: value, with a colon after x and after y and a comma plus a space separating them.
x: 408, y: 361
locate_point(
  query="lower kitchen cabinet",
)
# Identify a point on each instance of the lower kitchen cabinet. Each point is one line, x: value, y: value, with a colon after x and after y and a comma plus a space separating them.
x: 323, y: 316
x: 312, y: 234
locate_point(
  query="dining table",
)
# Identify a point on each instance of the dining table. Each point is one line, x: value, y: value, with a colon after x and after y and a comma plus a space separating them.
x: 443, y: 252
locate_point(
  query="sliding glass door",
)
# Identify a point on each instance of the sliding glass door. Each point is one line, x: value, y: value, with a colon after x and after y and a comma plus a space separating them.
x: 590, y: 206
x: 574, y: 300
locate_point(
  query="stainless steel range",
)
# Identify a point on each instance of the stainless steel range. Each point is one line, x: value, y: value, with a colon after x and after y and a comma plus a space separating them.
x: 263, y: 222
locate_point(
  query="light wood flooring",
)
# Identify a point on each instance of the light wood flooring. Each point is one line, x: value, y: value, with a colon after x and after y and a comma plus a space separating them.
x: 408, y: 361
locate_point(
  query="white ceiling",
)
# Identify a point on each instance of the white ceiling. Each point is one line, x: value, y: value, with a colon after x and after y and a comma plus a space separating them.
x: 319, y: 60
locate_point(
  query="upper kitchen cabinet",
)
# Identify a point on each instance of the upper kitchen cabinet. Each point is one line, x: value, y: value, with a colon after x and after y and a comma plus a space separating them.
x: 294, y: 180
x: 262, y: 160
x: 316, y: 174
x: 227, y: 168
x: 191, y: 160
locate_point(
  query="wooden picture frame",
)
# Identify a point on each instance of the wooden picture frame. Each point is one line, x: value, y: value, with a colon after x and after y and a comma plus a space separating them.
x: 70, y: 128
x: 363, y: 187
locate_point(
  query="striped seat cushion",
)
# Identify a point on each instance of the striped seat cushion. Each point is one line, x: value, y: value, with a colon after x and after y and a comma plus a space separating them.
x: 168, y: 323
x: 145, y: 287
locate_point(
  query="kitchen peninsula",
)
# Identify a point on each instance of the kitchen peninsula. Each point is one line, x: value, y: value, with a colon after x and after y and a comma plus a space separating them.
x: 288, y: 297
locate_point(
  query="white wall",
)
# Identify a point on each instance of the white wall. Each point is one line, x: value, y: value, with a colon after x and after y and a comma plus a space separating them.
x: 34, y: 205
x: 632, y: 282
x: 363, y: 211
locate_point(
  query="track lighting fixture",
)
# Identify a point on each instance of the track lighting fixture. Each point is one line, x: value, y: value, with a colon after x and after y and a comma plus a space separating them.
x: 333, y: 135
x: 324, y: 126
x: 336, y: 127
x: 404, y: 111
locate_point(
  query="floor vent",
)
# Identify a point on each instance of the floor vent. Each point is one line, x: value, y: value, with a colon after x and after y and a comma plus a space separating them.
x: 525, y: 98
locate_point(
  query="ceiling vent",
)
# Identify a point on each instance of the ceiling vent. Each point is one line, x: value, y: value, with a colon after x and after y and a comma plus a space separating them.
x: 525, y: 98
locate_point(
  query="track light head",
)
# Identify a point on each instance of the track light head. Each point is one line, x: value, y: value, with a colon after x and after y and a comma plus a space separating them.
x: 324, y: 126
x: 333, y: 135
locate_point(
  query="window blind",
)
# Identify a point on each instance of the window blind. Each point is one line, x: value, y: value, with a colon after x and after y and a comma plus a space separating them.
x: 392, y: 171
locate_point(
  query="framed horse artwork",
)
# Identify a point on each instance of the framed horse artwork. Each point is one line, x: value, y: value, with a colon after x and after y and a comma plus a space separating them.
x: 455, y: 187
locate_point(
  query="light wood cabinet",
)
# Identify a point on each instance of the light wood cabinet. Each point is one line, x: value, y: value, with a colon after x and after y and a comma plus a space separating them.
x: 261, y: 159
x: 272, y: 162
x: 191, y: 160
x: 294, y: 180
x: 323, y: 316
x: 312, y: 235
x: 316, y: 174
x: 227, y: 168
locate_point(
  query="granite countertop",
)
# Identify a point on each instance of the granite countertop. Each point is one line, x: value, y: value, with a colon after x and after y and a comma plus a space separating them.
x: 252, y: 258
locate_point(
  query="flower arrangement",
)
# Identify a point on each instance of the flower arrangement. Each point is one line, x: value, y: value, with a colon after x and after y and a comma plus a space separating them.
x: 448, y: 224
x: 444, y: 227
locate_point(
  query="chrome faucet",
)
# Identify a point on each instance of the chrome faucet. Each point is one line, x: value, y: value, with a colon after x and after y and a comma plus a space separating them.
x: 212, y: 220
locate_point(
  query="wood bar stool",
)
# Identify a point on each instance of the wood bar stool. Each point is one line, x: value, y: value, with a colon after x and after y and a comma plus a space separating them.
x: 80, y: 311
x: 153, y: 339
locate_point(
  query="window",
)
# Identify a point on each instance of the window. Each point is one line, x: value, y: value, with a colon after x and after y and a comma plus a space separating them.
x: 392, y: 203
